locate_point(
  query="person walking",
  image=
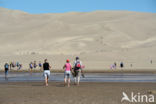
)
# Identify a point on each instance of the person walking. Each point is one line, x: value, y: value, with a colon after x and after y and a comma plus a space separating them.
x: 67, y: 73
x: 46, y: 68
x: 6, y: 68
x: 77, y: 70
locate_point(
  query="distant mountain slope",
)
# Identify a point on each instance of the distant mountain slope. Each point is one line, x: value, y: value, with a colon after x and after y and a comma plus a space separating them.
x: 100, y: 32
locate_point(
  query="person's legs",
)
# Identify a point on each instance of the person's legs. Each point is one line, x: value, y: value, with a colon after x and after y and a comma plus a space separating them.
x: 48, y: 75
x: 68, y: 75
x: 46, y: 81
x: 40, y: 69
x: 75, y: 77
x: 75, y: 80
x: 30, y: 71
x: 65, y: 81
x: 46, y: 78
x: 6, y: 74
x: 65, y: 78
x: 68, y: 82
x: 78, y: 78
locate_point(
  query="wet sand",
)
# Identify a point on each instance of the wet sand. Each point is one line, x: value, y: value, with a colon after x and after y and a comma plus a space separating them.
x: 89, y: 77
x: 56, y: 93
x: 91, y: 71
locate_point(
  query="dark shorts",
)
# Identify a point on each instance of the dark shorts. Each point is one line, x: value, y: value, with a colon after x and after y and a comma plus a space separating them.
x: 76, y: 73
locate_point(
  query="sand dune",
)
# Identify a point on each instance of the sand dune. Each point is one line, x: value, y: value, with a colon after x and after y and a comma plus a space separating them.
x: 99, y: 38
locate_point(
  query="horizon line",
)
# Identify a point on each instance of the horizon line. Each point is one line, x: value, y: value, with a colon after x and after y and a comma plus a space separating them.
x: 77, y: 11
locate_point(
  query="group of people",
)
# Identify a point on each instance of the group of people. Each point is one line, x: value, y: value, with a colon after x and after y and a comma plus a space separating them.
x: 69, y: 70
x: 76, y: 70
x: 15, y: 65
x: 34, y: 65
x: 114, y: 66
x: 11, y: 65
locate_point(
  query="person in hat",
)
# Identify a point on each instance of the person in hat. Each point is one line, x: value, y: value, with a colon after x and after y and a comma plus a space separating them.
x: 67, y: 72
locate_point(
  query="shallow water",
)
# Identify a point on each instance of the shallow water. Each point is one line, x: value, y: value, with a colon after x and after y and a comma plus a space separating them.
x: 89, y: 77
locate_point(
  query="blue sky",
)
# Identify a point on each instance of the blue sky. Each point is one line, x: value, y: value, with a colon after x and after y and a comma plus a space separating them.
x: 61, y: 6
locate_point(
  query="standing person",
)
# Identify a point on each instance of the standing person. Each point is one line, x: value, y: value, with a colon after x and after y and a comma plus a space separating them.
x: 13, y: 64
x: 40, y: 65
x: 46, y: 68
x: 6, y: 67
x: 20, y: 66
x: 17, y: 64
x: 77, y: 70
x: 115, y: 65
x: 10, y: 65
x: 35, y: 65
x: 31, y: 67
x: 111, y: 66
x: 67, y: 73
x: 121, y: 65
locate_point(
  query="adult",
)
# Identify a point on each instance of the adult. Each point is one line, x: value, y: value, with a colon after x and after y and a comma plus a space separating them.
x: 6, y: 67
x: 121, y: 65
x: 31, y: 67
x: 20, y: 66
x: 40, y: 65
x: 46, y: 68
x: 35, y: 65
x: 77, y: 70
x: 115, y: 65
x: 67, y: 73
x: 10, y: 65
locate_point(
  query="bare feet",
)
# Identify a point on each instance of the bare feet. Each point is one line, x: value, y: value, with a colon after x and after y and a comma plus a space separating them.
x: 46, y: 84
x: 68, y: 85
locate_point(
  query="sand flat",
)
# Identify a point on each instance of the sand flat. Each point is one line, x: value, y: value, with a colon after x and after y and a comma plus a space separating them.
x: 56, y: 93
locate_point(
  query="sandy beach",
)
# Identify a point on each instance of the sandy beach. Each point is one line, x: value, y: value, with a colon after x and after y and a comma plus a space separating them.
x: 95, y: 88
x: 98, y: 38
x: 56, y: 93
